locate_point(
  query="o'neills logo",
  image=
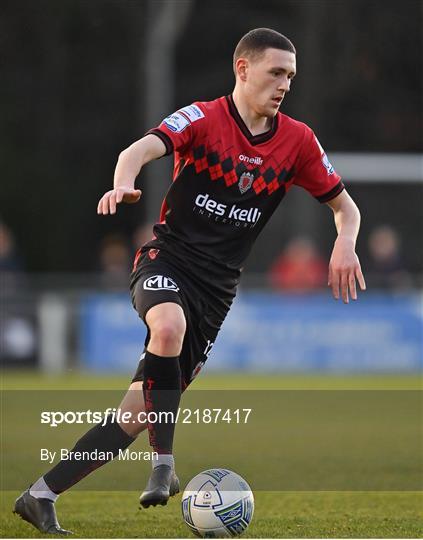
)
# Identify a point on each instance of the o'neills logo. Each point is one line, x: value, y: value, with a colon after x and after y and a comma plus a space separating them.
x: 253, y: 160
x: 232, y: 215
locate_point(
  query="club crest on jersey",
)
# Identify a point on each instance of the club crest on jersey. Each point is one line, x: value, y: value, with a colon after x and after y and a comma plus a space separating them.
x: 245, y: 181
x: 160, y: 283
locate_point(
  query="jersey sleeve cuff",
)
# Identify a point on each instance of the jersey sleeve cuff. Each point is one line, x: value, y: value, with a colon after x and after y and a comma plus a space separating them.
x: 334, y: 192
x: 166, y: 140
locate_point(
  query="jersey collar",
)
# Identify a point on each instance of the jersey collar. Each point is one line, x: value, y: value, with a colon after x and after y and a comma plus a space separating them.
x: 252, y: 139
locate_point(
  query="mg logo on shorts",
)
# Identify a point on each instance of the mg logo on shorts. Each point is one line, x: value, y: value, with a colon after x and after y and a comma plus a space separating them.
x: 160, y: 283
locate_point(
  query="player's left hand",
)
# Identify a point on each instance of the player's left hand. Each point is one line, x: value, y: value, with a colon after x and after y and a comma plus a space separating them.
x: 344, y: 270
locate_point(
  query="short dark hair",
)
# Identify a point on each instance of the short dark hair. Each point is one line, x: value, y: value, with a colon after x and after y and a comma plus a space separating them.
x: 256, y: 41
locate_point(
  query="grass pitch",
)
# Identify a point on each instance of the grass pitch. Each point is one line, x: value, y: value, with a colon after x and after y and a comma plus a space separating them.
x: 278, y: 514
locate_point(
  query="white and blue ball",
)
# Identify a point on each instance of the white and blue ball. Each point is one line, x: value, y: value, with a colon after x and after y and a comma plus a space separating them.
x: 217, y: 503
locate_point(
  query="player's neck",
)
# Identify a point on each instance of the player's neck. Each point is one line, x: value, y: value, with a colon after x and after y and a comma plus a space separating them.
x: 256, y: 123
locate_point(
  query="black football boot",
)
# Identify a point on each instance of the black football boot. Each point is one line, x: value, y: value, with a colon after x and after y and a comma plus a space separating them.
x: 163, y: 483
x: 39, y: 512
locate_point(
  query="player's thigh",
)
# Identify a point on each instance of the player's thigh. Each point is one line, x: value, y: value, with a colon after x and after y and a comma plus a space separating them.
x: 154, y: 283
x: 157, y: 295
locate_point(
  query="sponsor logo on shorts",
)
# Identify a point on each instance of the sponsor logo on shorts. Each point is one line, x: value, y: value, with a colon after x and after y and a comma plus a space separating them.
x: 160, y: 283
x: 176, y: 122
x: 193, y: 112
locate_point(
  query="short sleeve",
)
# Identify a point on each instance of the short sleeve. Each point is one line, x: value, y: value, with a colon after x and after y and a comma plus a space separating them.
x: 179, y: 130
x: 315, y: 172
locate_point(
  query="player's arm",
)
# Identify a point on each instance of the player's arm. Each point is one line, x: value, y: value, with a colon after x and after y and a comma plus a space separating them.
x: 344, y: 266
x: 128, y: 167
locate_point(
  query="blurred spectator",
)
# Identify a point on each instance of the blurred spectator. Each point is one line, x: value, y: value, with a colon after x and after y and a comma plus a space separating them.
x: 386, y: 268
x: 115, y: 261
x: 299, y: 268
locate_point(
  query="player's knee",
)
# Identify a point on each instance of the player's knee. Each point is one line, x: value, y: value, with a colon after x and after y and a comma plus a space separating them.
x: 167, y: 326
x: 168, y: 334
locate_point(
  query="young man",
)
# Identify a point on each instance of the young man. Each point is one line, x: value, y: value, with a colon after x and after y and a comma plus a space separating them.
x: 235, y: 159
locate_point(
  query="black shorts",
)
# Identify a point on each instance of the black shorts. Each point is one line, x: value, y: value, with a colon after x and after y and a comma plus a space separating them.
x: 157, y: 279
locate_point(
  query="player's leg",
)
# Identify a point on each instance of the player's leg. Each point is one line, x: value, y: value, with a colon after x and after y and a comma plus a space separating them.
x: 183, y: 319
x: 133, y: 403
x: 201, y: 328
x: 36, y: 504
x: 162, y: 393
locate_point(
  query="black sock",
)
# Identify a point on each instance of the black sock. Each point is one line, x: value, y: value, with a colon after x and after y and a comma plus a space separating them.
x: 107, y: 438
x: 162, y: 393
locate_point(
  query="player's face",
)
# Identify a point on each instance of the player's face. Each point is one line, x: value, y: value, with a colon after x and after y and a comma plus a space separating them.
x: 268, y: 79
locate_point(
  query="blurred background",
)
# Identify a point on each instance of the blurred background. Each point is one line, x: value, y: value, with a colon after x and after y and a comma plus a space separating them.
x: 81, y: 80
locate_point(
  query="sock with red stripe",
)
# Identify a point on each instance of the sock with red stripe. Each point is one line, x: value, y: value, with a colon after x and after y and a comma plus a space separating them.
x: 162, y: 394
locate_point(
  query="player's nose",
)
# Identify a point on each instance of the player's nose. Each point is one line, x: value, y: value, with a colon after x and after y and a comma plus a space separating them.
x: 284, y: 85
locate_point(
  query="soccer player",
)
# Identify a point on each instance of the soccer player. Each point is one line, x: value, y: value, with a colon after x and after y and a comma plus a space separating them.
x: 235, y: 160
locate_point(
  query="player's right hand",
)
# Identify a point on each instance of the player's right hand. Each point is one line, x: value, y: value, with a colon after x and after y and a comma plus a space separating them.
x: 107, y: 203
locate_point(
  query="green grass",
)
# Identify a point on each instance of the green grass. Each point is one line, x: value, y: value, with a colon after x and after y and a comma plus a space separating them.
x: 277, y: 515
x: 364, y: 446
x: 75, y: 380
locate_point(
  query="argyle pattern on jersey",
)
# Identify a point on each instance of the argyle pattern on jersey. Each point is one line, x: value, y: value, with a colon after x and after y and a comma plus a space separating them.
x: 231, y: 174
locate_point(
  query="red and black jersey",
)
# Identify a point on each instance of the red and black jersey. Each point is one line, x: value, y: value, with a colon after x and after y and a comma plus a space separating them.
x: 227, y: 182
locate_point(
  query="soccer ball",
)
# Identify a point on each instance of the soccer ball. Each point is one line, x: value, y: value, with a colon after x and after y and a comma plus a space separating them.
x: 217, y: 503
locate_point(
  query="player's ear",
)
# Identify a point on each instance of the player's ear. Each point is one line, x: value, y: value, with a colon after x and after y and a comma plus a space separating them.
x: 241, y: 68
